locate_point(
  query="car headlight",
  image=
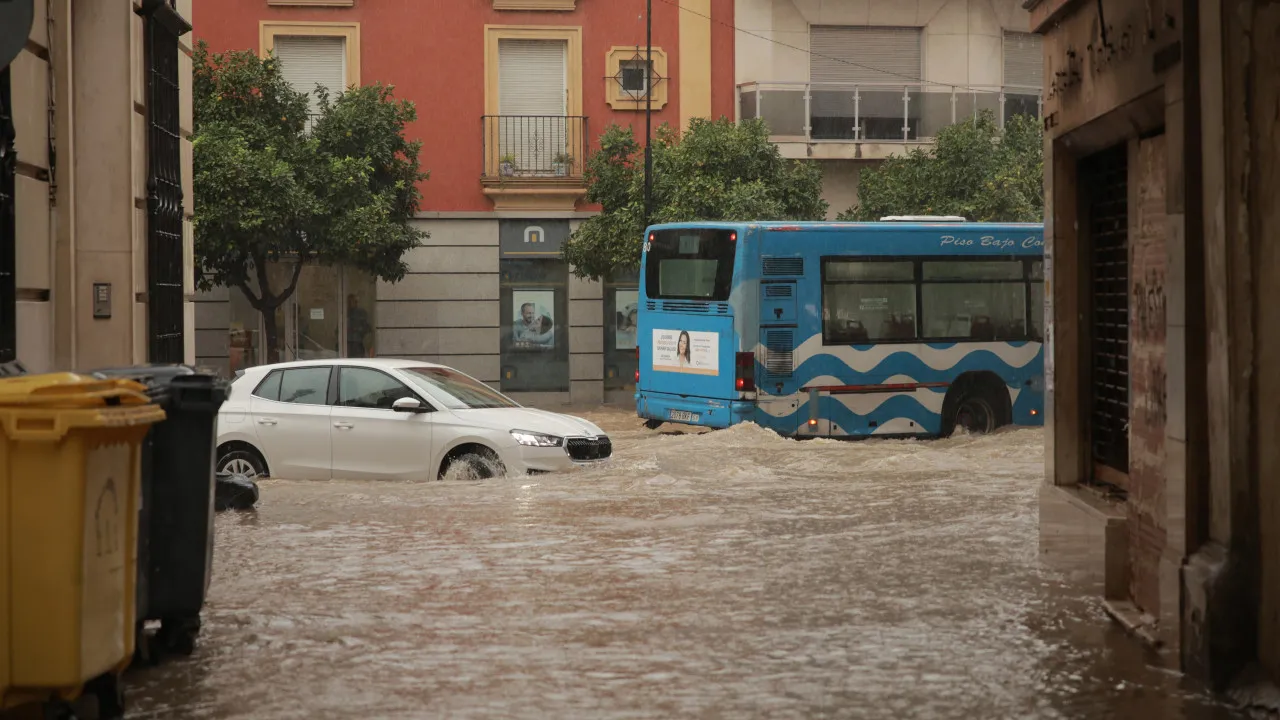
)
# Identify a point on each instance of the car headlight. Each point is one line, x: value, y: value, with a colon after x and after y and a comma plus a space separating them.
x: 533, y: 439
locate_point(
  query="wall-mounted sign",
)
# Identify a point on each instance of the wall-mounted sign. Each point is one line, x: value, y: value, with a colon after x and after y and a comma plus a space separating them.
x: 523, y: 238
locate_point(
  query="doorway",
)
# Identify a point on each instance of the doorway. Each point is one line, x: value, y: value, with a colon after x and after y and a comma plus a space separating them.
x: 1106, y: 175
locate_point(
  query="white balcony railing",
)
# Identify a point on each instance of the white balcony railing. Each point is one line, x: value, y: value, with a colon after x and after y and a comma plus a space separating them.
x: 876, y: 112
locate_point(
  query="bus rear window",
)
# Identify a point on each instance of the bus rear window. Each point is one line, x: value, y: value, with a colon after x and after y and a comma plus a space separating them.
x: 690, y: 264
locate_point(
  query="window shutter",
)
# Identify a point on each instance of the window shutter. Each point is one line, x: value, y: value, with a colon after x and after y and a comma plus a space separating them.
x: 532, y: 102
x: 308, y: 60
x: 531, y: 77
x: 864, y: 55
x: 1023, y: 60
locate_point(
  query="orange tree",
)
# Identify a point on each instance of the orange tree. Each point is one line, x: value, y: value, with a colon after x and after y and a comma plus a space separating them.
x: 717, y: 170
x: 974, y: 169
x: 273, y: 183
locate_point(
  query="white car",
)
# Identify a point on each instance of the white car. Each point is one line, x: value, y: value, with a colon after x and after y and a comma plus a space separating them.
x: 390, y: 419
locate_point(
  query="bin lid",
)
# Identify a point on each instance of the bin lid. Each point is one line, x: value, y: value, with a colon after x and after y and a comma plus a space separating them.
x: 148, y: 374
x: 70, y: 390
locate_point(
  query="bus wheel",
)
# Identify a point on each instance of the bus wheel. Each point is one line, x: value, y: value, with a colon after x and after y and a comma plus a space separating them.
x: 979, y: 404
x: 653, y: 424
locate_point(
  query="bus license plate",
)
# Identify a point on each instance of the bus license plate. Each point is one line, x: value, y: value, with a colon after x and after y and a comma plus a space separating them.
x: 683, y: 416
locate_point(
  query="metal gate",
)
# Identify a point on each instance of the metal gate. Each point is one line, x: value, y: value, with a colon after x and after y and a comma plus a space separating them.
x: 1104, y: 177
x: 165, y: 272
x: 8, y: 225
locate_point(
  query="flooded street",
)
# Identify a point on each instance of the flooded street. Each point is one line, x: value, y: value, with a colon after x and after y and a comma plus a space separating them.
x: 728, y: 575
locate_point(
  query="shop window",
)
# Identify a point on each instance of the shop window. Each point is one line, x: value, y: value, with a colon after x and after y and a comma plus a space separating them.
x: 535, y: 332
x: 621, y: 312
x: 868, y: 301
x: 331, y: 314
x: 245, y: 341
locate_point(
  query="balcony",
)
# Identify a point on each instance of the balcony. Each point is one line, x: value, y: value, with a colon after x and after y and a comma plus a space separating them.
x: 830, y: 121
x: 534, y: 162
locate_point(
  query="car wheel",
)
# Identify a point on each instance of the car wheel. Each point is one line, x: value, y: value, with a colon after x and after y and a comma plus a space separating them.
x: 474, y: 466
x: 242, y: 462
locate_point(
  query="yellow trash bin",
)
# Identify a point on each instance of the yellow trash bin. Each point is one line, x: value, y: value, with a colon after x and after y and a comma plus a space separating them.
x: 70, y: 448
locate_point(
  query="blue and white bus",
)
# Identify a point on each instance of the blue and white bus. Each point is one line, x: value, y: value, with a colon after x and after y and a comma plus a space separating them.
x: 909, y: 327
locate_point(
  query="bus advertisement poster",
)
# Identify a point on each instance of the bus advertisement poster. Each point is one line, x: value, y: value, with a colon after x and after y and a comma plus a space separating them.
x: 686, y: 351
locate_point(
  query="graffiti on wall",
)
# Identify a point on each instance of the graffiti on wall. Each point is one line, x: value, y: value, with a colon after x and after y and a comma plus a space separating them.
x: 1148, y: 374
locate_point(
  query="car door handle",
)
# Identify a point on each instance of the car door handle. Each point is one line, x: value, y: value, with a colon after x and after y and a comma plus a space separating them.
x: 343, y: 425
x: 266, y: 421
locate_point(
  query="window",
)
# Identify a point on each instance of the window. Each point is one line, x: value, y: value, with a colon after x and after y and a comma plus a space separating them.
x: 1023, y: 61
x: 626, y: 82
x: 305, y: 386
x: 872, y: 60
x: 533, y: 127
x: 974, y: 299
x: 532, y: 99
x: 457, y: 391
x: 534, y: 296
x: 1037, y: 300
x: 634, y: 82
x: 621, y: 315
x: 690, y: 264
x: 307, y: 62
x: 166, y: 308
x: 366, y: 388
x: 327, y: 54
x: 868, y: 301
x: 269, y: 389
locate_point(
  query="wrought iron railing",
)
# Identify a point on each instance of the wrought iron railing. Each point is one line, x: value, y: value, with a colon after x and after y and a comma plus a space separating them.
x: 8, y: 225
x: 876, y: 112
x: 166, y: 321
x: 534, y: 146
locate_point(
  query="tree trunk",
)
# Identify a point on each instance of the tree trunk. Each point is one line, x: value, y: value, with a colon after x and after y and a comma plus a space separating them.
x: 272, y: 332
x: 269, y: 301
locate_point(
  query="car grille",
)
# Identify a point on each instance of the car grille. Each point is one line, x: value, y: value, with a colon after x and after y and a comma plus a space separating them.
x: 589, y: 448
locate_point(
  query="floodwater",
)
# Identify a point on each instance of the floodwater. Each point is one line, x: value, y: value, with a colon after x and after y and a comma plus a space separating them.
x: 733, y: 574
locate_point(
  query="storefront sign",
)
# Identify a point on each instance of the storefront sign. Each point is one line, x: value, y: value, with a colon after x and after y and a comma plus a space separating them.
x: 532, y: 238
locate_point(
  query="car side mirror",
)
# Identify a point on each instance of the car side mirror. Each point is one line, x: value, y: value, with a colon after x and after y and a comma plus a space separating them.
x: 408, y: 405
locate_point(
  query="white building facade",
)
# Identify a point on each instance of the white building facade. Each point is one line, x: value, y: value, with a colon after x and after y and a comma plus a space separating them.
x: 850, y: 82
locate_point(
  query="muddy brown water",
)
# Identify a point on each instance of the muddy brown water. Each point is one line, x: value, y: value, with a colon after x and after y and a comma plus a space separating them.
x: 733, y: 574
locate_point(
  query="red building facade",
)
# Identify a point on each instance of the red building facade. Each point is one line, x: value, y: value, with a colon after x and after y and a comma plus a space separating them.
x: 512, y: 96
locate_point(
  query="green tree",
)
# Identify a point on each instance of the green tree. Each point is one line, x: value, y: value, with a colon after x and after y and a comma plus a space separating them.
x: 974, y: 170
x: 717, y: 170
x: 273, y: 182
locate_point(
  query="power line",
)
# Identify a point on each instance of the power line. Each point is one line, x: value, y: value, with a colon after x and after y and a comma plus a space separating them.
x: 806, y: 51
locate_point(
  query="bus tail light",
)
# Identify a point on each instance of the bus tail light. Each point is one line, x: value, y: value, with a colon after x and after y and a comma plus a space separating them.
x: 746, y: 375
x: 637, y: 365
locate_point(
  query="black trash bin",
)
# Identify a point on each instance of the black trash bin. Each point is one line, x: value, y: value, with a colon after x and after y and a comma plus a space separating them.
x: 175, y: 519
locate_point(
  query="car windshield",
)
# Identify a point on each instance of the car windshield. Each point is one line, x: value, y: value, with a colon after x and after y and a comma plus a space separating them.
x: 457, y: 391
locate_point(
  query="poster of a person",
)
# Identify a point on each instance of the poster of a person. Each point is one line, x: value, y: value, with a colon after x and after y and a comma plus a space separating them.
x: 626, y: 325
x: 686, y: 351
x: 533, y: 325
